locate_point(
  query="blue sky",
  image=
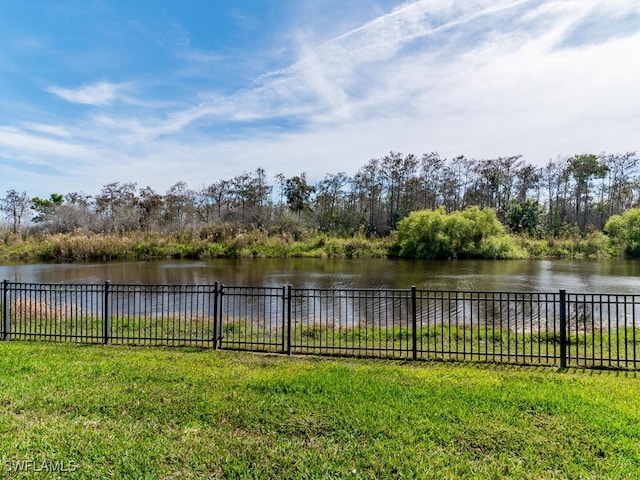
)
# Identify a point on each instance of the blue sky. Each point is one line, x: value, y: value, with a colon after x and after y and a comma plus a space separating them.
x: 156, y: 92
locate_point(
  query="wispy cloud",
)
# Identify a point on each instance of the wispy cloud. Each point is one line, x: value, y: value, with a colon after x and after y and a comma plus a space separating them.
x: 39, y: 146
x: 477, y: 77
x: 52, y: 130
x: 101, y: 93
x: 602, y: 22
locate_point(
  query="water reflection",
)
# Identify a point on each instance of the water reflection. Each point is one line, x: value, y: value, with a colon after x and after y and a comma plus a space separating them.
x: 614, y: 276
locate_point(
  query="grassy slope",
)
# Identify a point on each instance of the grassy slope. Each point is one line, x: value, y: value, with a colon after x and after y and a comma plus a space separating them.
x: 161, y: 413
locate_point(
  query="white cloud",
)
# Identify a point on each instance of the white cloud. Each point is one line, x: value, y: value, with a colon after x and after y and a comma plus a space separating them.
x: 40, y: 146
x: 481, y: 78
x: 98, y: 94
x: 53, y: 130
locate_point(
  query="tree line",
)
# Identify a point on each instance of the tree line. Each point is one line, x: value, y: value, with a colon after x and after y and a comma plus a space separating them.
x: 567, y: 196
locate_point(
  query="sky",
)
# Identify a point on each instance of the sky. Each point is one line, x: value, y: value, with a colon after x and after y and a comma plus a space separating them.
x: 162, y: 91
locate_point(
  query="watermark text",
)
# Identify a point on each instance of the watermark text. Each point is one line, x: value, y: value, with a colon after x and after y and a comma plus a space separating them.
x: 44, y: 466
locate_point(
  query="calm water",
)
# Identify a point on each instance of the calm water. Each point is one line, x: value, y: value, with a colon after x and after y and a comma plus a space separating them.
x: 603, y: 276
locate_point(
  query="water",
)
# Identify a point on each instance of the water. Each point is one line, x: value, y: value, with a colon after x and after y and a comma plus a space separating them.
x: 606, y: 276
x: 449, y: 292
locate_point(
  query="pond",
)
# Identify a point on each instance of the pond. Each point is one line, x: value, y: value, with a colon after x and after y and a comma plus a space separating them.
x: 579, y: 276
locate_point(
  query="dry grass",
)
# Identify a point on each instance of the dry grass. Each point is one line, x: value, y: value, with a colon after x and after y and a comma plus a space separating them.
x: 84, y: 246
x: 31, y: 309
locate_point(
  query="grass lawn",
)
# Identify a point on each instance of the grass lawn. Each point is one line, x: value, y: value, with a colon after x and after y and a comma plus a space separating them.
x: 125, y: 412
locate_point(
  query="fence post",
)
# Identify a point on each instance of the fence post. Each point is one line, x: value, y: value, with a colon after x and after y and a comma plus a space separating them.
x: 288, y: 319
x: 219, y: 313
x: 284, y: 319
x: 106, y: 321
x: 414, y: 323
x: 563, y: 328
x: 215, y: 316
x: 5, y: 310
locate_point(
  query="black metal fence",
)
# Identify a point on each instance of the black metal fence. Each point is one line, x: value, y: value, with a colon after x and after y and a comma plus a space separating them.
x: 561, y: 329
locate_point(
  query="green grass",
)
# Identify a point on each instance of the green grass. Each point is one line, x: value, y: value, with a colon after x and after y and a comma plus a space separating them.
x: 121, y: 412
x: 606, y: 348
x: 136, y: 330
x: 615, y: 348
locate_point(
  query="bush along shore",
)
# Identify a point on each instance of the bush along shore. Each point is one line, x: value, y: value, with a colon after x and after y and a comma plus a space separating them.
x: 90, y: 247
x: 425, y: 234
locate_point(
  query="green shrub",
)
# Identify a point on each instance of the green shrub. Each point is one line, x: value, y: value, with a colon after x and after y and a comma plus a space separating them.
x: 501, y: 247
x: 472, y: 233
x: 624, y: 232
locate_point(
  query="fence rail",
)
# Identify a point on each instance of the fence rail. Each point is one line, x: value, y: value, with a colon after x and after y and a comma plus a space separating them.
x: 561, y: 329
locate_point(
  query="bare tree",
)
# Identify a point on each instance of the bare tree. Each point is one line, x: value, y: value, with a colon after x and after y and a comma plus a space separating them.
x: 151, y: 204
x: 178, y: 207
x: 431, y: 170
x: 15, y: 205
x: 329, y: 199
x: 116, y: 207
x: 397, y: 172
x: 369, y: 187
x: 250, y: 192
x: 211, y: 199
x: 621, y: 175
x: 76, y: 212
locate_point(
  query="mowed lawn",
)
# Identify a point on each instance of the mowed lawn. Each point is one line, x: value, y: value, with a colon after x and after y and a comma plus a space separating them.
x: 126, y: 412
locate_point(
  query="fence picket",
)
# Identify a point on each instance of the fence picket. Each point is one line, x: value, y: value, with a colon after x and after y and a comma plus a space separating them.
x: 6, y: 321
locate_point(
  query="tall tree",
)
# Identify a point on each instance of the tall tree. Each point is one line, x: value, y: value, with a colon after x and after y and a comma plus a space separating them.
x: 15, y: 205
x: 397, y: 170
x: 330, y: 197
x: 212, y: 199
x: 47, y: 209
x: 116, y: 206
x: 368, y: 189
x: 77, y: 211
x: 250, y: 191
x: 298, y: 193
x: 622, y: 172
x: 151, y: 204
x: 583, y: 169
x: 556, y: 181
x: 528, y: 179
x: 178, y: 207
x: 455, y: 180
x: 431, y: 169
